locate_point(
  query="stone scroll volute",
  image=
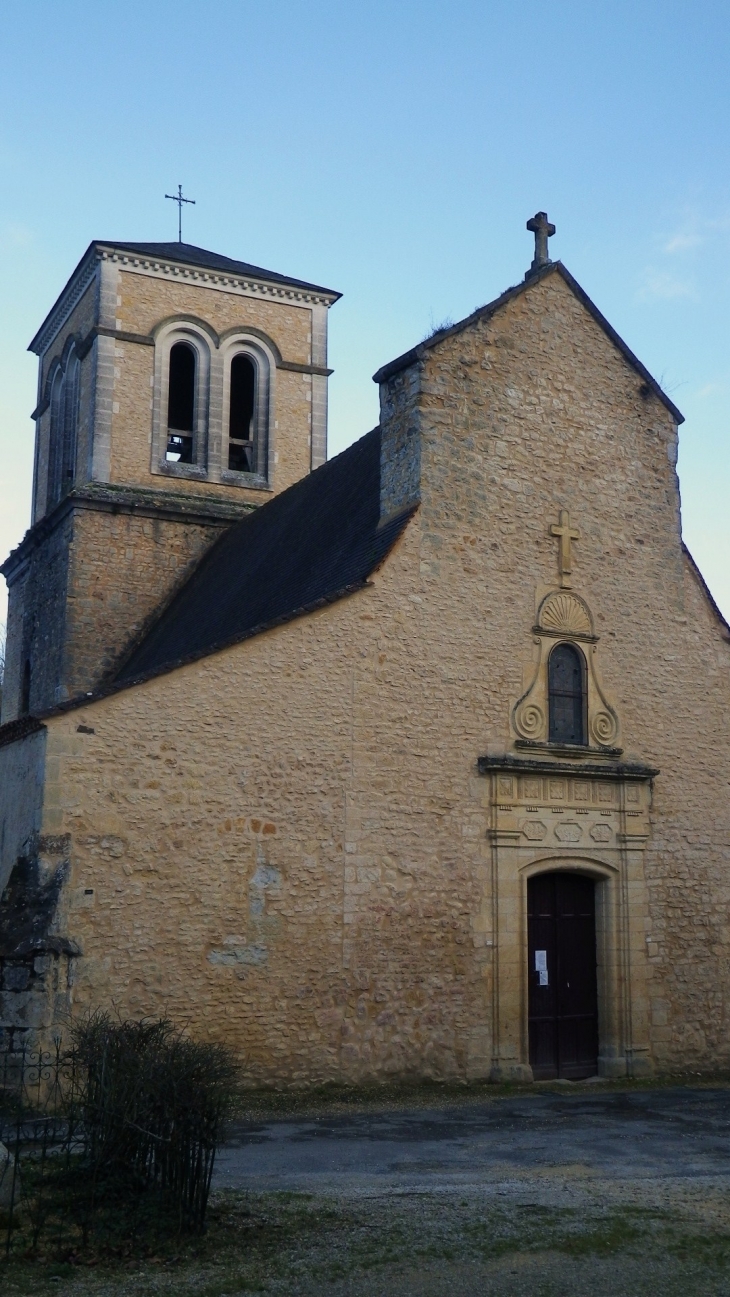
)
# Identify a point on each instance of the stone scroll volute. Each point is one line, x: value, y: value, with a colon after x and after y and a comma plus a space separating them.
x: 563, y: 616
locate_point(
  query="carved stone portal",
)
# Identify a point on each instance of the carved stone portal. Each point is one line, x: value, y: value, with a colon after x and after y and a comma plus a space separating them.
x: 547, y: 813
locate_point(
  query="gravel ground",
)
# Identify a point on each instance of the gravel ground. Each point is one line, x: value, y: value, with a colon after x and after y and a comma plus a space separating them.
x: 617, y: 1193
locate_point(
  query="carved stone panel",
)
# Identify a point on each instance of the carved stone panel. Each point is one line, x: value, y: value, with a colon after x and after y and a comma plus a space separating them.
x: 563, y: 616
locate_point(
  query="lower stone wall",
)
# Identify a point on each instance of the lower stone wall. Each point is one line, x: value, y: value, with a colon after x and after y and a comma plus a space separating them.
x: 37, y: 603
x: 124, y: 567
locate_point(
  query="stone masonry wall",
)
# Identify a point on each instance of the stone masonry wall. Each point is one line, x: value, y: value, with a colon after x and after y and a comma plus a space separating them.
x: 37, y: 624
x: 286, y: 842
x: 124, y: 568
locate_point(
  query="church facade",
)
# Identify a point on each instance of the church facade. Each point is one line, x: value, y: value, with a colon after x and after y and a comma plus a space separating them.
x: 414, y: 762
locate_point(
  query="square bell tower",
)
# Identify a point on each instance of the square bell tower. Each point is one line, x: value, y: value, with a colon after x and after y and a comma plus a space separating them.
x: 177, y: 390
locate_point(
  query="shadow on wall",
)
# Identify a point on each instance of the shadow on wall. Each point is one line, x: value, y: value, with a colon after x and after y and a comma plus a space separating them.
x: 36, y: 967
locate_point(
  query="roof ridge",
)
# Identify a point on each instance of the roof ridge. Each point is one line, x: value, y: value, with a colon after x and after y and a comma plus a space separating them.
x: 416, y: 354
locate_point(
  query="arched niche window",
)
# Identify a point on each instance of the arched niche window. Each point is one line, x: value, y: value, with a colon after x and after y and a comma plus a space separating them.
x: 241, y: 415
x: 181, y: 405
x: 567, y: 695
x: 55, y: 440
x: 64, y: 410
x: 70, y: 422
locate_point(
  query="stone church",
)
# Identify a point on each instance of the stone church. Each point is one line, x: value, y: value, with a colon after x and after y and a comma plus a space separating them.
x: 413, y: 762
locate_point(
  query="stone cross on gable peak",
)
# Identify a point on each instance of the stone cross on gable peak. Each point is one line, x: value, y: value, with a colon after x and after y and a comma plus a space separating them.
x: 540, y: 226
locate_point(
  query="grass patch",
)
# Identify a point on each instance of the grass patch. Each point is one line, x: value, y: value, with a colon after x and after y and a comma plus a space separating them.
x: 711, y: 1250
x: 284, y: 1242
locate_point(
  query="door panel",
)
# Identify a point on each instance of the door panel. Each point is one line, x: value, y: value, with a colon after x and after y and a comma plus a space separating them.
x: 563, y: 998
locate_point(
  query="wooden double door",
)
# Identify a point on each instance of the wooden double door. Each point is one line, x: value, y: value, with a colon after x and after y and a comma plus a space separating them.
x: 563, y: 996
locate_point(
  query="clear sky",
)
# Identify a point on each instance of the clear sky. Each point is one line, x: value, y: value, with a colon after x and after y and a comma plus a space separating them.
x: 392, y: 151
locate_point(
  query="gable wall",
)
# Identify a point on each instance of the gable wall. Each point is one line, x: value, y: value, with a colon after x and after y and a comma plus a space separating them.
x: 535, y: 411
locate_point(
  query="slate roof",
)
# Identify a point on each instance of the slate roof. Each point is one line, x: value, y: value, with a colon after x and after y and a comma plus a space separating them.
x: 189, y: 255
x: 310, y: 545
x: 416, y: 353
x: 186, y: 254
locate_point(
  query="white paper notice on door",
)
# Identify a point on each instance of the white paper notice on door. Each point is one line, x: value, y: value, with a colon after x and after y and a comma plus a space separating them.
x: 541, y: 966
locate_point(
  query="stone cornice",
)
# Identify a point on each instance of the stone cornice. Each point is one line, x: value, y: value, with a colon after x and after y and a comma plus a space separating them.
x: 71, y: 295
x: 147, y: 340
x: 224, y: 281
x: 146, y: 503
x: 247, y: 285
x: 617, y: 770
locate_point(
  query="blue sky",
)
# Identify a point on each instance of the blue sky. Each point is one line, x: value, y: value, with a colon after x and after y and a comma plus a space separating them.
x: 392, y: 151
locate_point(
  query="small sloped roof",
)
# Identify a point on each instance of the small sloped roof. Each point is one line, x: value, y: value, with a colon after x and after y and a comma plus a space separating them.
x: 190, y: 255
x: 416, y: 353
x: 314, y: 543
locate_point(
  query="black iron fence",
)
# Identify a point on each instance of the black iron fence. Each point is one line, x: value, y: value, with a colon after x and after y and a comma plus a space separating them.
x: 111, y: 1137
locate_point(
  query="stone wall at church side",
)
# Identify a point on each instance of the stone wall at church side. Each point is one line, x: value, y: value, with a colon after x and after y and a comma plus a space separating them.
x: 400, y: 441
x: 14, y: 661
x: 296, y: 869
x: 124, y: 568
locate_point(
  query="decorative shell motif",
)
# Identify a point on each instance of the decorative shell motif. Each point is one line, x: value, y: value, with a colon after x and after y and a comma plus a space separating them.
x: 565, y: 613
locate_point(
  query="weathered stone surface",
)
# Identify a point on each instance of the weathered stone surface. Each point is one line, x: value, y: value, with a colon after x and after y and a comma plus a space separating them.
x: 288, y: 845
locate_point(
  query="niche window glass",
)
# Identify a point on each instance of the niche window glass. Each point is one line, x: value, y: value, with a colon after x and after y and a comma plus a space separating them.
x: 70, y: 422
x: 181, y: 405
x: 566, y: 686
x: 241, y: 431
x: 64, y: 420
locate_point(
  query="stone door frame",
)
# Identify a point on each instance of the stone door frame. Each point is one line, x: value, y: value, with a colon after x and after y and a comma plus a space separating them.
x: 610, y: 828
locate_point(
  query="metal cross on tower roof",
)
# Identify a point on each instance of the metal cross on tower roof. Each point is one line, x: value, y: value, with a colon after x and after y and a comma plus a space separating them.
x: 178, y: 198
x: 543, y: 230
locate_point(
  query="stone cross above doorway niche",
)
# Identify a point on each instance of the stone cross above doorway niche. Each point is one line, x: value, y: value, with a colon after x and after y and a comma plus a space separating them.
x: 563, y: 530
